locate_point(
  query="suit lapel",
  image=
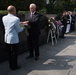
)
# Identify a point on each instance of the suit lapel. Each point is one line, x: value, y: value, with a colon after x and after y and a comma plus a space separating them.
x: 33, y: 16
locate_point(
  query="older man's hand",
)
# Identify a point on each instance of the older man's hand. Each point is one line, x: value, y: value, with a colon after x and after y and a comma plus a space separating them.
x: 26, y: 23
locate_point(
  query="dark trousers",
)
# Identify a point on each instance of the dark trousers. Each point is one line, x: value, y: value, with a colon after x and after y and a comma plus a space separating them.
x: 12, y: 54
x: 63, y: 31
x: 33, y: 43
x: 72, y: 27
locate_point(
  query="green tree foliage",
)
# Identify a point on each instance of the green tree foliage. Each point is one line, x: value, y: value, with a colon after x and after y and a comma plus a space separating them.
x: 54, y: 6
x: 57, y: 6
x: 21, y: 4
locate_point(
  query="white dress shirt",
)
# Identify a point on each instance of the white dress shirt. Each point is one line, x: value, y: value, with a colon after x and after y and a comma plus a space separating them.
x: 12, y: 27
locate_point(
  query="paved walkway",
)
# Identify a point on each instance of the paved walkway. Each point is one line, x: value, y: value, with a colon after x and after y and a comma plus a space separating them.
x: 54, y: 60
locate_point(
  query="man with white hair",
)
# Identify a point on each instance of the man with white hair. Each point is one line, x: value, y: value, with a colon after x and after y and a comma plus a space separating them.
x: 33, y: 19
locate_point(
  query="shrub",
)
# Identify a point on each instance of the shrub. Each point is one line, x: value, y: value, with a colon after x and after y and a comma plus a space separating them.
x: 3, y: 12
x: 22, y: 12
x: 42, y: 10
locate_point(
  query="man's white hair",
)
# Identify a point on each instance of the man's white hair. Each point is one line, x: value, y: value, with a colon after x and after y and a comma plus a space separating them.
x: 33, y: 5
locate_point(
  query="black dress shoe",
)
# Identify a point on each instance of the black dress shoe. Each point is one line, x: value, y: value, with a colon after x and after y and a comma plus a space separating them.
x: 28, y: 57
x: 36, y: 58
x: 15, y: 68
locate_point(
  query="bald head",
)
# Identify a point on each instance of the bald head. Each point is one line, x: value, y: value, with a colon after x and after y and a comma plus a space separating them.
x: 11, y: 9
x: 32, y: 7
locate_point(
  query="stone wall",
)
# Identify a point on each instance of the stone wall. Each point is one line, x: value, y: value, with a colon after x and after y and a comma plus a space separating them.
x: 22, y: 36
x: 23, y: 39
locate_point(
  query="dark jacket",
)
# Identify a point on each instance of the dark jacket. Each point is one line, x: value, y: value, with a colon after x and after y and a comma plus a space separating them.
x: 34, y: 28
x: 64, y: 20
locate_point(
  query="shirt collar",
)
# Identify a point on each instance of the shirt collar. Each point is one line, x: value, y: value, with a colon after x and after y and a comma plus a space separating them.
x: 10, y: 14
x: 33, y: 13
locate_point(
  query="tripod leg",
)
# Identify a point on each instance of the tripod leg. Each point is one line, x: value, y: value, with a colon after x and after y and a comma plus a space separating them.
x: 48, y: 36
x: 57, y: 32
x: 55, y: 37
x: 52, y: 37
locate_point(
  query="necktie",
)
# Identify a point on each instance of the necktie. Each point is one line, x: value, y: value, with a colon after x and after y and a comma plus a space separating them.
x: 31, y: 15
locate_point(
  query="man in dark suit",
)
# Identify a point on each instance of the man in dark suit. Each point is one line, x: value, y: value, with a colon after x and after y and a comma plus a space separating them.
x: 72, y: 23
x: 33, y: 20
x: 64, y: 22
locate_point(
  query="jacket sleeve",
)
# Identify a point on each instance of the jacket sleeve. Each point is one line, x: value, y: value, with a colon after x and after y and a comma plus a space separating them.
x: 17, y: 26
